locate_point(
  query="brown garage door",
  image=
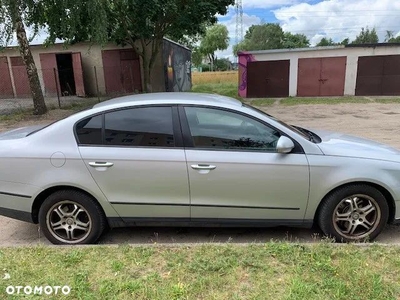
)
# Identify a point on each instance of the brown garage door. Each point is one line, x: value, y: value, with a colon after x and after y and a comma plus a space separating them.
x: 121, y: 71
x: 378, y: 75
x: 268, y: 79
x: 6, y: 89
x: 321, y: 76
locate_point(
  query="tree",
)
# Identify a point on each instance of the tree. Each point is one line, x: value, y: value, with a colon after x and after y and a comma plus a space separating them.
x: 366, y: 36
x: 216, y: 38
x: 295, y: 41
x: 326, y: 42
x: 390, y: 38
x: 141, y: 24
x: 223, y: 64
x: 345, y: 42
x: 265, y: 37
x: 14, y: 14
x: 197, y: 57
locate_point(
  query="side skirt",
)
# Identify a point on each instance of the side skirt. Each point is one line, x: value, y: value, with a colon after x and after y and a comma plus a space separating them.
x: 186, y: 222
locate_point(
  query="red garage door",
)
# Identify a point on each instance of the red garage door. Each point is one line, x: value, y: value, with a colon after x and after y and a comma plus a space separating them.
x: 21, y: 82
x: 268, y: 79
x: 6, y: 90
x: 378, y: 75
x: 121, y: 71
x: 321, y: 76
x: 48, y: 63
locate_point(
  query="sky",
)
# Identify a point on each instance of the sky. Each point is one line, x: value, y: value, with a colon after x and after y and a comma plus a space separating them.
x: 336, y: 19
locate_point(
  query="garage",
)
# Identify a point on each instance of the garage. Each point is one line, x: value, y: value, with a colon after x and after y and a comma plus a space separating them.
x: 62, y: 73
x: 321, y: 76
x: 268, y: 79
x: 340, y: 70
x: 378, y: 75
x: 121, y: 71
x: 6, y: 90
x: 21, y: 81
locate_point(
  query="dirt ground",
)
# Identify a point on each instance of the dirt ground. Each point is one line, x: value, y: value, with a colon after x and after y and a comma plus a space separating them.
x: 380, y: 122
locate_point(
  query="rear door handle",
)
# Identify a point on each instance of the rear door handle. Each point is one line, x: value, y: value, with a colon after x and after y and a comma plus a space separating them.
x: 203, y: 167
x: 100, y: 164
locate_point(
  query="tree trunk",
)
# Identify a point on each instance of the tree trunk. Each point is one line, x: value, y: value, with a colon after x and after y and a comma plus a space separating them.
x: 148, y: 62
x: 146, y: 74
x: 37, y: 95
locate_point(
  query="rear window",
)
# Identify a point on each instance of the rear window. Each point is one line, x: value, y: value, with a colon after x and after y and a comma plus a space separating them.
x: 88, y: 130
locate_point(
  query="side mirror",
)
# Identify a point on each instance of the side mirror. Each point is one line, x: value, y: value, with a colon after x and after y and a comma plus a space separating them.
x: 284, y: 145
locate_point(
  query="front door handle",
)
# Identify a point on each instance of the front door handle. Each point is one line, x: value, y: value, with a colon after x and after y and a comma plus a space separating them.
x: 100, y: 164
x: 203, y: 167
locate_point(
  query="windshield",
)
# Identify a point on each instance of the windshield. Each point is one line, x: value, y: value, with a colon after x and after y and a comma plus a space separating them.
x: 290, y: 127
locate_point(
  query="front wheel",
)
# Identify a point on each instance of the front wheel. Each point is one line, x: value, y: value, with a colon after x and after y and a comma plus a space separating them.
x: 71, y: 217
x: 354, y: 213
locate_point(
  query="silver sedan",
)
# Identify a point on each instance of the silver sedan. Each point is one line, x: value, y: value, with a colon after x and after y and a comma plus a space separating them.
x: 183, y: 159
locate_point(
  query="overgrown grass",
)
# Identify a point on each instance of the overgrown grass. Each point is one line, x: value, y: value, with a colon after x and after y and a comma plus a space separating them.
x: 270, y: 271
x: 215, y: 77
x: 225, y: 89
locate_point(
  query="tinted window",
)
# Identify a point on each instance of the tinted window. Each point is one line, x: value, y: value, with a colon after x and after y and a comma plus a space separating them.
x: 213, y: 128
x: 148, y: 126
x: 89, y: 131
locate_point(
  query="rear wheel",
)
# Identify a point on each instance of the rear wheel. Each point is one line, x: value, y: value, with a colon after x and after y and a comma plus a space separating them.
x: 71, y: 217
x: 354, y: 213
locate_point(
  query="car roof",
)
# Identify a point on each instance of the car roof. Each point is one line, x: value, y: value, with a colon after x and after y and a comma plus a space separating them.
x: 172, y: 97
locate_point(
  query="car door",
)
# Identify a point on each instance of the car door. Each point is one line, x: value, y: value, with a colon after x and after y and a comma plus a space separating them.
x: 235, y: 173
x: 136, y: 158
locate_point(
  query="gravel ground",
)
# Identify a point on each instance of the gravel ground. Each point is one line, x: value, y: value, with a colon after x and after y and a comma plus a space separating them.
x: 380, y: 122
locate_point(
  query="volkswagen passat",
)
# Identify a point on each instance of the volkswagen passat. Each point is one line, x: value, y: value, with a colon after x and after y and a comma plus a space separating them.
x: 183, y: 159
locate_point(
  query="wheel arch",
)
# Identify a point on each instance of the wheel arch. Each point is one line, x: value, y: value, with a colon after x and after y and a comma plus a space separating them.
x: 388, y: 196
x: 41, y: 197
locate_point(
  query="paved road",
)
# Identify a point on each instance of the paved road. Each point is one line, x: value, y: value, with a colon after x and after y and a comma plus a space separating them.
x: 14, y: 233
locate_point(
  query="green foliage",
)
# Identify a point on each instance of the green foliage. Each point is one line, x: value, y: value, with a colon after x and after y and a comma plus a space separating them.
x: 216, y: 38
x: 197, y: 57
x: 390, y: 37
x: 366, y: 36
x: 291, y: 41
x: 326, y: 42
x: 270, y: 36
x: 222, y: 64
x: 141, y: 24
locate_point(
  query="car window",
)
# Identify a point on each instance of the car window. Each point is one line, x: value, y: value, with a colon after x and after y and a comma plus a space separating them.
x: 146, y: 126
x: 89, y: 131
x: 220, y: 129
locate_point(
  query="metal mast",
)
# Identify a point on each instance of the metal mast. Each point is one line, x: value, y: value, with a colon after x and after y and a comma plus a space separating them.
x: 239, y: 21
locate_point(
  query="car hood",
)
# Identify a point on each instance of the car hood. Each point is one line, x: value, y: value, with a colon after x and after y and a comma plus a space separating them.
x: 339, y: 144
x: 19, y: 132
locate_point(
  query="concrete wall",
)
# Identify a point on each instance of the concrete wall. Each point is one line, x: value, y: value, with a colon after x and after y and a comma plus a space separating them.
x: 352, y: 53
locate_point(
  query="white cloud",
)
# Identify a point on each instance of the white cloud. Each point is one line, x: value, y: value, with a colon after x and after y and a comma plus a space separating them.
x: 267, y: 3
x: 340, y: 19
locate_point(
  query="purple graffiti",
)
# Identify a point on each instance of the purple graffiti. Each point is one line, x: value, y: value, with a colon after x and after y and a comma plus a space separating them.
x: 244, y: 58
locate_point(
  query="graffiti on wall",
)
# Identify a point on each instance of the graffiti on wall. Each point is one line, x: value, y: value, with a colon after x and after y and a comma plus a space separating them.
x: 177, y: 65
x: 244, y: 58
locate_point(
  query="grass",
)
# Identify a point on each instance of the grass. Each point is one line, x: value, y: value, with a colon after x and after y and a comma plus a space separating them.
x: 215, y: 77
x: 324, y: 100
x: 269, y: 271
x: 225, y: 89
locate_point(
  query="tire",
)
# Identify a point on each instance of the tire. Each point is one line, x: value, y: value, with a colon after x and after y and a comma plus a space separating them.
x: 70, y: 217
x: 353, y: 213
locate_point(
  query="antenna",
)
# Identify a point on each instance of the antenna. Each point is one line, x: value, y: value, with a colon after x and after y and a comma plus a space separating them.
x: 239, y: 21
